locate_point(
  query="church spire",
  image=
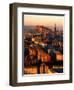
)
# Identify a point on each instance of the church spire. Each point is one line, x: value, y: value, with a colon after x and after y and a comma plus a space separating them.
x: 55, y: 29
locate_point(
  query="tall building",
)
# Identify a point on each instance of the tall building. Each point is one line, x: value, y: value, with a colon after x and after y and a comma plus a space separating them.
x: 55, y: 30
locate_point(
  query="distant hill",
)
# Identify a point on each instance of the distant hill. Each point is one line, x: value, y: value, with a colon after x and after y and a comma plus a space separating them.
x: 30, y: 29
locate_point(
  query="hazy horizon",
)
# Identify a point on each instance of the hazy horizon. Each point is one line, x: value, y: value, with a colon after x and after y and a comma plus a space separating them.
x: 48, y: 21
x: 26, y: 27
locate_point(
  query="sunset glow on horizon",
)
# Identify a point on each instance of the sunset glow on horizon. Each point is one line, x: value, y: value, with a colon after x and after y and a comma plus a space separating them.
x: 33, y: 20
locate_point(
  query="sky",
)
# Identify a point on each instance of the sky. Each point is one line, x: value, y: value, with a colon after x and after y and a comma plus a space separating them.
x: 46, y: 20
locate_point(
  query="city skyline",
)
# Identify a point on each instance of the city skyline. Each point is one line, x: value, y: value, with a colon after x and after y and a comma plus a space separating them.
x: 43, y: 44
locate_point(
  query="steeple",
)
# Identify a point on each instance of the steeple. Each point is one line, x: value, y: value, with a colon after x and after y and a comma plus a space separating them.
x: 55, y: 29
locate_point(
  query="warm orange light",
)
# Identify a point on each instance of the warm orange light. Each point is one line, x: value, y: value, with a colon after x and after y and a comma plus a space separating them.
x: 59, y: 57
x: 43, y: 20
